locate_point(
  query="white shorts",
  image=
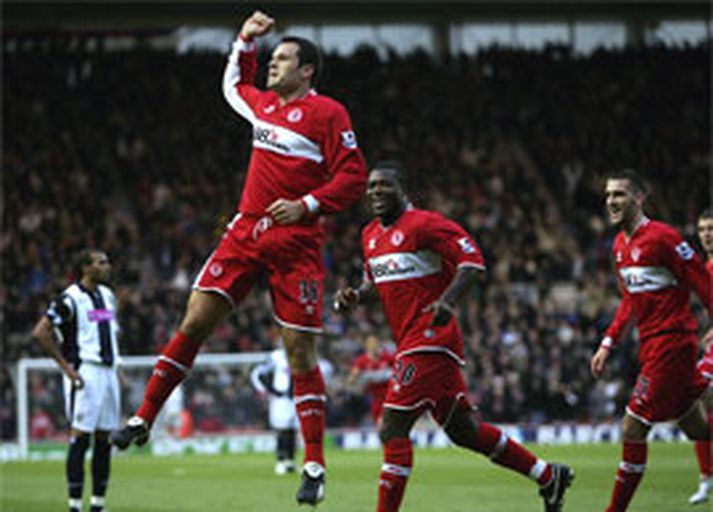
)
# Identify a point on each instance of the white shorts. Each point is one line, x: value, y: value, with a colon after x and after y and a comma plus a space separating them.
x: 97, y: 405
x: 283, y: 414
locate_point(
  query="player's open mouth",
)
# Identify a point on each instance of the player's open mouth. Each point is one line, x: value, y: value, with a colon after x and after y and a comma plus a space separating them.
x: 378, y: 204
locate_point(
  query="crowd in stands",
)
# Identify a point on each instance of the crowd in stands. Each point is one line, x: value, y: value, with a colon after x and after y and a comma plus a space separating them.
x: 137, y: 153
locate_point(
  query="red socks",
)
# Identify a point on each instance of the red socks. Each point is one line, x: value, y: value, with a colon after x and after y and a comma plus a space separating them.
x: 172, y: 367
x: 628, y: 476
x: 493, y: 443
x: 310, y: 399
x: 703, y: 453
x: 398, y: 460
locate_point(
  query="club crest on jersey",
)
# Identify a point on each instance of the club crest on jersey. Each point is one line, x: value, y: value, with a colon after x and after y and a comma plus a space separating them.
x: 216, y: 269
x: 618, y: 256
x: 372, y: 244
x: 295, y: 115
x: 635, y: 254
x: 349, y: 139
x: 397, y: 238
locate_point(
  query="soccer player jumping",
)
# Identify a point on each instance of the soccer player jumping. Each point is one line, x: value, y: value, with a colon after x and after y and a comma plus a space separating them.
x: 703, y: 448
x: 305, y: 162
x: 422, y: 264
x: 656, y: 270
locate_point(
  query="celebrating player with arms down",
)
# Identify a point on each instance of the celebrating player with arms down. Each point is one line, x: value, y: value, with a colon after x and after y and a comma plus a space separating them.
x: 703, y: 448
x: 305, y: 162
x: 422, y: 264
x: 656, y: 270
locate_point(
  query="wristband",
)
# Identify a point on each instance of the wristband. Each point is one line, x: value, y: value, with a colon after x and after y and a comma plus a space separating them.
x: 607, y: 343
x: 310, y: 203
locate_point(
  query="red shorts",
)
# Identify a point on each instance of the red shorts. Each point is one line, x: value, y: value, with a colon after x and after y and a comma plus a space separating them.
x: 290, y: 255
x: 705, y: 365
x: 427, y: 381
x: 668, y: 384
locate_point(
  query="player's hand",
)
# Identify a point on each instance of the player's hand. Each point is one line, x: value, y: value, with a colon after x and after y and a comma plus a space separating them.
x: 599, y: 360
x: 345, y: 299
x: 256, y: 25
x: 442, y: 312
x: 286, y: 212
x: 74, y: 377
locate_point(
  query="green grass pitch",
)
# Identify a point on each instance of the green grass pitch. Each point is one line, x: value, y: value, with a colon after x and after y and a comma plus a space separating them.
x: 443, y: 480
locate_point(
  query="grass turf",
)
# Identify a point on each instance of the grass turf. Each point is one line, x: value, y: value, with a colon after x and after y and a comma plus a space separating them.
x: 443, y: 480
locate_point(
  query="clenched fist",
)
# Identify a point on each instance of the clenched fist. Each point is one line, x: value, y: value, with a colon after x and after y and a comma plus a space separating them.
x: 256, y: 25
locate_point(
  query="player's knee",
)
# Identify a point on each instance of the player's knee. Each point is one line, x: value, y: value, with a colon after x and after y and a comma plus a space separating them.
x: 633, y: 430
x: 196, y: 327
x: 385, y: 434
x: 203, y: 312
x: 301, y: 351
x: 457, y: 435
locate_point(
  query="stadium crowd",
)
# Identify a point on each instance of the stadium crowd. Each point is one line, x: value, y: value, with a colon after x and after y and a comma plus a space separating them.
x: 135, y: 152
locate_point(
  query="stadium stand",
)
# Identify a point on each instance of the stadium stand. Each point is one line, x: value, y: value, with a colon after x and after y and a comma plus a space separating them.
x: 136, y: 153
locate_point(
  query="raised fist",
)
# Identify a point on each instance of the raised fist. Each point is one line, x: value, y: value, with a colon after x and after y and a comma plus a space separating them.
x: 256, y: 25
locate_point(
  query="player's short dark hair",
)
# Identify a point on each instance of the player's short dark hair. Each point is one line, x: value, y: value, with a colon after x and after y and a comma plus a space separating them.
x: 308, y: 53
x: 81, y: 259
x: 706, y: 214
x: 637, y: 182
x: 396, y: 169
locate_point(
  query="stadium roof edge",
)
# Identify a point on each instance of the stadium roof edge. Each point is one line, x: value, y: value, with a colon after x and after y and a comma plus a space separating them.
x: 110, y: 13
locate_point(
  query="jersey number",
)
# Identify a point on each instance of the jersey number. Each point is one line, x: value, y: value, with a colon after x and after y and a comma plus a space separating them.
x: 404, y: 374
x: 309, y: 292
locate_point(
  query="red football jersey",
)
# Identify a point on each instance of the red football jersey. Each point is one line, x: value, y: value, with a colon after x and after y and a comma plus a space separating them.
x: 411, y: 263
x: 706, y: 362
x: 657, y: 270
x: 303, y: 149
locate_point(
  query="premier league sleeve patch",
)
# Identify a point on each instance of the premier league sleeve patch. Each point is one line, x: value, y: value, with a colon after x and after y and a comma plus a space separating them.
x: 349, y: 139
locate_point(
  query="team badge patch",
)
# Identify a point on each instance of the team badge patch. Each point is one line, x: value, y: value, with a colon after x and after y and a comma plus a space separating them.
x: 295, y: 115
x: 397, y: 238
x: 216, y: 269
x: 635, y: 254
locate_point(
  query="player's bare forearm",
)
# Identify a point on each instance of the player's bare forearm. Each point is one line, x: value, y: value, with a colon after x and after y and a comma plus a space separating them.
x: 443, y: 309
x: 462, y: 283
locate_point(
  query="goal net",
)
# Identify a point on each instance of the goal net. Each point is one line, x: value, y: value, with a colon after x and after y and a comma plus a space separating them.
x: 217, y: 399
